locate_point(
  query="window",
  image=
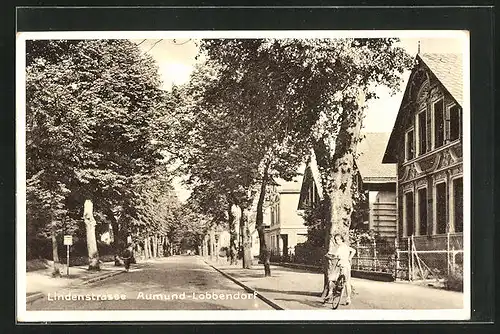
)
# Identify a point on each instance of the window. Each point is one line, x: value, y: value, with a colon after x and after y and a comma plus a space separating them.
x: 274, y: 215
x: 422, y: 132
x: 278, y: 213
x: 438, y: 123
x: 315, y: 191
x: 455, y: 122
x: 441, y: 218
x: 422, y: 211
x: 410, y: 149
x: 409, y: 213
x: 310, y: 195
x: 458, y: 205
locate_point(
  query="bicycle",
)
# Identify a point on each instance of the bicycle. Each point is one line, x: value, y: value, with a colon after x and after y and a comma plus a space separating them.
x: 338, y: 289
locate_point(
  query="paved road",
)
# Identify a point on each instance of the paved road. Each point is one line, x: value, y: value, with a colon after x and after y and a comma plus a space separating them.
x: 174, y: 283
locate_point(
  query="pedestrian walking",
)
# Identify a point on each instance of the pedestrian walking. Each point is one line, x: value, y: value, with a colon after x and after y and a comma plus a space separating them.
x: 127, y: 256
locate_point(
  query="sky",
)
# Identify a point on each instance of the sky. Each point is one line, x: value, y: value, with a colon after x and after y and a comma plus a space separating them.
x: 176, y: 60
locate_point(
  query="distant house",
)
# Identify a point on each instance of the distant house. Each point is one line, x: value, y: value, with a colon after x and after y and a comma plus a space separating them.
x: 286, y: 227
x: 376, y: 180
x: 254, y: 234
x: 426, y: 145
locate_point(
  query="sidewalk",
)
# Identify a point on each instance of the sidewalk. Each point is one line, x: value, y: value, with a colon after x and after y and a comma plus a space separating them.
x: 298, y: 289
x: 40, y: 282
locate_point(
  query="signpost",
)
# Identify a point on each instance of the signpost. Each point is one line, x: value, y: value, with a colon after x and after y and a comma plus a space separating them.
x: 68, y: 241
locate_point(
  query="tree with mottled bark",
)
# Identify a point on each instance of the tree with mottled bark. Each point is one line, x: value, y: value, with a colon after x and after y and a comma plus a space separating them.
x: 320, y: 87
x: 88, y: 218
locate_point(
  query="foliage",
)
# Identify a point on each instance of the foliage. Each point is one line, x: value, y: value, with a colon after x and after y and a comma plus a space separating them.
x: 190, y: 227
x: 157, y: 207
x: 315, y: 219
x: 91, y: 110
x: 99, y: 127
x: 302, y: 89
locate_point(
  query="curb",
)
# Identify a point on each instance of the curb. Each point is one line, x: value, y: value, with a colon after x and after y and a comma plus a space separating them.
x: 102, y: 277
x: 305, y: 267
x: 364, y: 274
x: 266, y: 300
x: 31, y: 298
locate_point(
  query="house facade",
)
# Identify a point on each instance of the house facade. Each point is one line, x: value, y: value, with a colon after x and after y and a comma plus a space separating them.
x: 378, y: 182
x: 426, y: 146
x: 286, y: 227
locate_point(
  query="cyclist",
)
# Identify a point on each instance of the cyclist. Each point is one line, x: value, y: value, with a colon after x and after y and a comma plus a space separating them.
x: 342, y: 255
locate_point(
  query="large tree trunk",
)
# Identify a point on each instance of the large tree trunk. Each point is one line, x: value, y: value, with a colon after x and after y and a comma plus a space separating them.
x: 327, y: 203
x: 233, y: 236
x: 340, y: 167
x: 265, y: 256
x: 55, y: 251
x: 88, y: 217
x: 212, y: 244
x: 147, y: 255
x: 206, y: 251
x: 160, y: 246
x: 150, y: 251
x: 117, y: 245
x: 157, y: 245
x: 154, y: 241
x: 246, y: 239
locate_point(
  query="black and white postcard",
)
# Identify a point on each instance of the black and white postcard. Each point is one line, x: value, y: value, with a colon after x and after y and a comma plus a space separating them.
x: 243, y: 175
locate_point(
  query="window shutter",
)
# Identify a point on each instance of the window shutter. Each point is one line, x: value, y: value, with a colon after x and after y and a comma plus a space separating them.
x: 447, y: 125
x: 429, y: 128
x: 430, y: 208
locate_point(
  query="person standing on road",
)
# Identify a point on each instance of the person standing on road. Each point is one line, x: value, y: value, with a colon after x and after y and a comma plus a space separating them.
x: 341, y: 256
x: 127, y: 256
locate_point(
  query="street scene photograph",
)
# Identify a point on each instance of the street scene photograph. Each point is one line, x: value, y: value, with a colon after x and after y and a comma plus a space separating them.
x: 322, y: 174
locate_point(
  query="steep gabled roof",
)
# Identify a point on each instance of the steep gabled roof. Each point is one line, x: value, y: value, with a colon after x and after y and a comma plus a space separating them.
x: 448, y: 69
x: 371, y: 152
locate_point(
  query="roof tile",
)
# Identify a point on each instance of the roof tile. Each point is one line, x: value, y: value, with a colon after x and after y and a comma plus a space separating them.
x: 371, y: 151
x: 448, y: 68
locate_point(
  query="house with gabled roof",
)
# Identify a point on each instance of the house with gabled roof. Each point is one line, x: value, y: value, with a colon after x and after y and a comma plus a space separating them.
x: 426, y: 146
x: 375, y: 179
x: 378, y: 182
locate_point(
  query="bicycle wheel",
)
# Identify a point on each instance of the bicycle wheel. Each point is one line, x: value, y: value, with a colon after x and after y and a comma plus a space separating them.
x: 339, y: 292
